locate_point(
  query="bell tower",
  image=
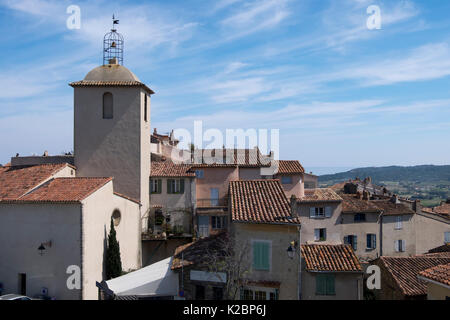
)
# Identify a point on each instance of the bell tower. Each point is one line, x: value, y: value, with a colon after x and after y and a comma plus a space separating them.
x: 112, y: 124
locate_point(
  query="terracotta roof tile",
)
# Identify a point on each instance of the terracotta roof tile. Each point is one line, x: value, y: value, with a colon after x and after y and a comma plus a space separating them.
x: 90, y: 83
x: 170, y: 169
x: 230, y: 157
x: 64, y: 190
x: 259, y: 201
x: 289, y: 167
x: 439, y: 273
x: 320, y: 194
x: 443, y: 248
x: 353, y: 204
x: 392, y: 209
x: 404, y: 271
x: 16, y: 181
x: 333, y: 258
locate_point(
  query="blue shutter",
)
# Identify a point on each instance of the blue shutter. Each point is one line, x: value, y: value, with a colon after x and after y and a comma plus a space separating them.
x: 321, y: 284
x: 330, y: 289
x: 265, y: 259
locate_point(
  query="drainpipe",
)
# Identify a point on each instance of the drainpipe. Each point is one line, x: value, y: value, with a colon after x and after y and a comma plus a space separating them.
x: 299, y: 264
x: 81, y: 250
x: 381, y: 234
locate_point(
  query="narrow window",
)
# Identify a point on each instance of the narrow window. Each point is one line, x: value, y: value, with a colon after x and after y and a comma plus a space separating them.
x: 447, y: 237
x: 399, y: 223
x: 320, y: 234
x: 371, y: 241
x: 155, y: 186
x: 108, y: 106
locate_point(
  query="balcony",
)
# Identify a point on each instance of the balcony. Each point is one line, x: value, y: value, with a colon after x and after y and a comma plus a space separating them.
x: 212, y: 203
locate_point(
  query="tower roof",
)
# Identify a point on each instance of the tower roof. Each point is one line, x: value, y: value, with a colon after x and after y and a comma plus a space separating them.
x: 111, y: 72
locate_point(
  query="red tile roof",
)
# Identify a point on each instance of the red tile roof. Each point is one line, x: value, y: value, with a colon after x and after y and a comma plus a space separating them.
x: 16, y: 181
x: 439, y: 273
x: 230, y: 157
x: 127, y: 197
x: 390, y: 208
x: 443, y: 248
x: 91, y: 83
x: 289, y: 167
x: 332, y: 258
x: 353, y: 204
x: 320, y: 194
x: 170, y: 169
x: 259, y: 201
x: 404, y: 271
x: 64, y: 190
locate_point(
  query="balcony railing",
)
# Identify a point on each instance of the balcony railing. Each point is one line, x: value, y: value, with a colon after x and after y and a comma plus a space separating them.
x: 212, y: 203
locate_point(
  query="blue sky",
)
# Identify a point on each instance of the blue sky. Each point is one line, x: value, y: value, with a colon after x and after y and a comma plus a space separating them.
x: 342, y: 95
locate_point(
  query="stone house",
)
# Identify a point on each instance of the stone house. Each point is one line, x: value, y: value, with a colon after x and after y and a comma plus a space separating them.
x: 399, y: 276
x: 263, y: 226
x: 330, y: 272
x: 437, y: 280
x: 319, y: 211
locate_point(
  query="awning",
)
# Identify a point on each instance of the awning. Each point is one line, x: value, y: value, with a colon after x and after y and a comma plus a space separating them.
x: 154, y: 280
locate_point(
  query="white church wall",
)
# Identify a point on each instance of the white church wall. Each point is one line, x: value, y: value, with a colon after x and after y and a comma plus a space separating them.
x: 97, y: 211
x: 23, y: 227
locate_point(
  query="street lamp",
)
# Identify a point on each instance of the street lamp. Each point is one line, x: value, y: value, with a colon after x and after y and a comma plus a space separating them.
x: 290, y: 252
x: 41, y: 248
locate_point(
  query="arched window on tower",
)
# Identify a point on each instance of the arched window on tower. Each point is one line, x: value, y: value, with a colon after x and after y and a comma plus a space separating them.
x: 145, y: 108
x: 107, y: 105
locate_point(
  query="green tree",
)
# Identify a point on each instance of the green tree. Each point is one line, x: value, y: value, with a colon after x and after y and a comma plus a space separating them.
x: 113, y: 262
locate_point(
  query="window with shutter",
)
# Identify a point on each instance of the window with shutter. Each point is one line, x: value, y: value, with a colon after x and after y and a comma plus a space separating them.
x: 447, y: 237
x: 397, y: 245
x: 328, y: 212
x: 312, y: 212
x: 261, y: 255
x: 399, y: 223
x: 371, y: 241
x: 325, y: 284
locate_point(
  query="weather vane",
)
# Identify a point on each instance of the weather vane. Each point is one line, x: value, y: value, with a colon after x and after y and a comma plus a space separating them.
x: 115, y: 21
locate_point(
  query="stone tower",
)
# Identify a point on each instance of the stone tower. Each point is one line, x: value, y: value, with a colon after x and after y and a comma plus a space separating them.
x: 112, y: 129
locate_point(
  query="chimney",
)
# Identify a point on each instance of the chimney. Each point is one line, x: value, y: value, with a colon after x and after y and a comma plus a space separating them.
x: 394, y: 199
x: 417, y: 207
x: 365, y: 195
x: 154, y: 131
x: 45, y: 153
x: 294, y: 208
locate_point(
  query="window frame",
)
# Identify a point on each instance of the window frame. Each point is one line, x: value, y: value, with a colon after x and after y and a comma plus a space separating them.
x: 218, y: 220
x: 155, y: 183
x: 372, y: 241
x: 290, y: 180
x: 320, y: 239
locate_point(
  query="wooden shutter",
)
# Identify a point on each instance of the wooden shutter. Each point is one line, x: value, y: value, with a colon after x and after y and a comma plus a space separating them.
x: 169, y: 186
x: 316, y: 234
x: 265, y: 256
x: 312, y: 212
x: 355, y: 243
x: 397, y: 249
x: 159, y: 186
x: 256, y: 255
x: 330, y: 290
x: 182, y: 186
x: 403, y: 245
x: 321, y: 285
x: 374, y: 241
x: 328, y: 212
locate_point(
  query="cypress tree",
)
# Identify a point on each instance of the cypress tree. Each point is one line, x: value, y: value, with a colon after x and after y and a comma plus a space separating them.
x: 113, y: 262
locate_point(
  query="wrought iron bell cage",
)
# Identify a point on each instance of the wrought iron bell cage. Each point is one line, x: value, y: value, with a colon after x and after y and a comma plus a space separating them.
x: 113, y: 47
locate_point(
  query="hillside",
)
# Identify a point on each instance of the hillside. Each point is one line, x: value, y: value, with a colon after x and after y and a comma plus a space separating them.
x: 429, y: 183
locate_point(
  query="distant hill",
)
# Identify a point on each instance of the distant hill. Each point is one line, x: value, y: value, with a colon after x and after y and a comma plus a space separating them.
x: 426, y: 173
x: 430, y: 184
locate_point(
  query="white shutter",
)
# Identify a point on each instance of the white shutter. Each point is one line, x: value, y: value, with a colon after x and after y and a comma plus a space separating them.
x: 316, y: 234
x: 312, y: 212
x: 403, y: 245
x: 374, y: 241
x: 328, y: 212
x: 397, y: 249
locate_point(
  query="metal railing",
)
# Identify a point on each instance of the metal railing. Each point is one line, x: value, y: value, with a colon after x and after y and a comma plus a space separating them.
x: 212, y: 203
